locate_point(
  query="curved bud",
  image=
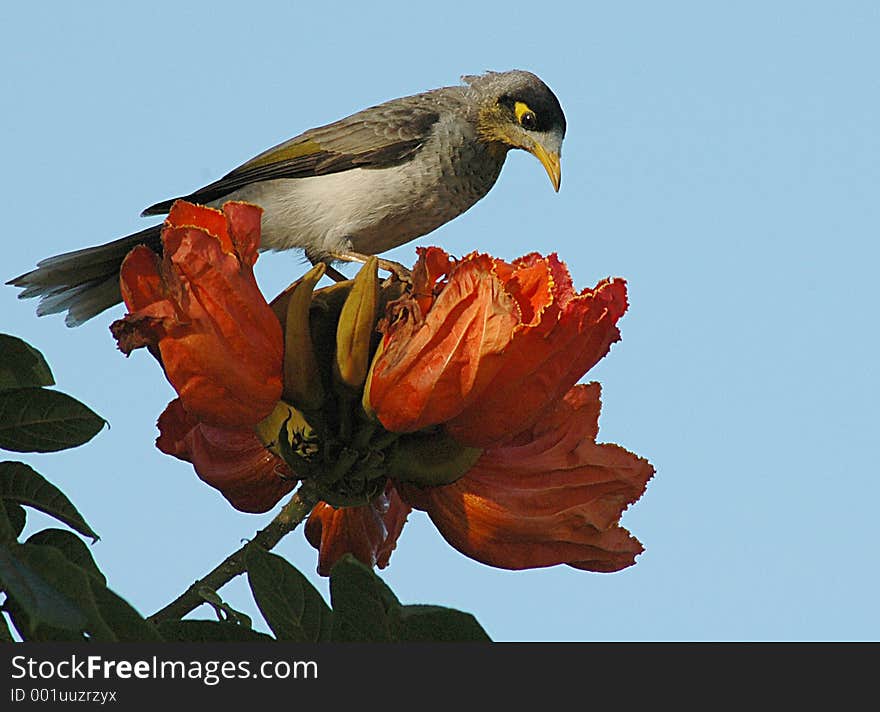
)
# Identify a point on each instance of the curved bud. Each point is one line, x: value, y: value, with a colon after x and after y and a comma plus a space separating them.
x: 302, y: 377
x: 430, y: 459
x: 357, y: 324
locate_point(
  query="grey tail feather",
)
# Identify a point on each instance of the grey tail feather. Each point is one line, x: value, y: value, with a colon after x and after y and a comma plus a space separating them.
x: 85, y: 282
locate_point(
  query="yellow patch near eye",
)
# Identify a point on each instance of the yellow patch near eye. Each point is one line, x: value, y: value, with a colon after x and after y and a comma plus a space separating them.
x: 520, y: 108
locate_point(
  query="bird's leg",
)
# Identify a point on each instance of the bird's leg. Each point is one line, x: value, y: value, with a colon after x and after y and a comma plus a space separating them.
x: 395, y: 268
x: 335, y: 274
x: 331, y: 271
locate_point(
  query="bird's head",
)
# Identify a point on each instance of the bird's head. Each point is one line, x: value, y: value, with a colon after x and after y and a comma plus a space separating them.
x: 517, y: 110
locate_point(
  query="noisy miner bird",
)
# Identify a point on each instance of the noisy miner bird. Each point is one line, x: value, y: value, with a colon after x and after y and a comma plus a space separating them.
x: 360, y: 186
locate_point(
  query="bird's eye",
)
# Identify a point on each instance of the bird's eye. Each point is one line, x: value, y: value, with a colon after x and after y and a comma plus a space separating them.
x: 529, y: 121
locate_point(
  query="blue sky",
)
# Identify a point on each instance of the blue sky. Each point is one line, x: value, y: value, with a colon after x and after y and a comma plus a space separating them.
x: 723, y: 158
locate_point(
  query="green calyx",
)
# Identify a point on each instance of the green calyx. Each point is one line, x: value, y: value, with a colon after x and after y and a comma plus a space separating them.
x: 351, y: 472
x: 347, y: 472
x: 430, y: 458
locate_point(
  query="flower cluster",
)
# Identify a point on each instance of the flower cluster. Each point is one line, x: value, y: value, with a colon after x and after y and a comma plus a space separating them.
x: 455, y: 393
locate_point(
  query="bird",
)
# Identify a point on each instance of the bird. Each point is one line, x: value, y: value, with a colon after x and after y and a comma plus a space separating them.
x: 359, y: 186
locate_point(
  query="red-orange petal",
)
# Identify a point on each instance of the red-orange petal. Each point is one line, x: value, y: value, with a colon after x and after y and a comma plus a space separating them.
x: 438, y: 366
x: 529, y: 281
x: 369, y: 532
x: 140, y: 282
x: 184, y: 214
x: 430, y: 369
x: 244, y: 228
x: 233, y: 461
x: 554, y: 496
x: 542, y: 363
x: 433, y: 263
x: 220, y: 342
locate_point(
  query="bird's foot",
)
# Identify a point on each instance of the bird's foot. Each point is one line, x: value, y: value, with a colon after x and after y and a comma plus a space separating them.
x: 329, y: 270
x: 395, y: 268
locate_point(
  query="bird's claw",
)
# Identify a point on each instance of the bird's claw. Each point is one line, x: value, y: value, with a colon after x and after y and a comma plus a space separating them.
x: 397, y: 270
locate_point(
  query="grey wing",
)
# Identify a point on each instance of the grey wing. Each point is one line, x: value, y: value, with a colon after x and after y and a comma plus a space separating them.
x: 382, y: 136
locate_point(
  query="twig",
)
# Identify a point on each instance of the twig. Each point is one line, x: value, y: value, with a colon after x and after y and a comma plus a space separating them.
x: 296, y: 509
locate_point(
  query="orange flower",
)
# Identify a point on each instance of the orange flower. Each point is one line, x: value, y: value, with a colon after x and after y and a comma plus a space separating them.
x: 199, y: 304
x: 550, y: 496
x: 478, y: 420
x: 199, y: 309
x: 490, y: 347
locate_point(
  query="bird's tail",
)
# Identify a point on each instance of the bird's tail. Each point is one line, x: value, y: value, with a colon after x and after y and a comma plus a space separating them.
x: 83, y: 283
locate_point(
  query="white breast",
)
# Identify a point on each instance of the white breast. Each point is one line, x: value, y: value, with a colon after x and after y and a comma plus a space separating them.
x: 322, y: 213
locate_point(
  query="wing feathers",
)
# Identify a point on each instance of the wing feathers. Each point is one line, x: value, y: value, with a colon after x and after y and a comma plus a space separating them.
x: 375, y: 138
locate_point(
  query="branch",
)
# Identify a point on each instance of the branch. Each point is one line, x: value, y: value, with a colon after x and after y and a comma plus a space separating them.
x: 296, y: 509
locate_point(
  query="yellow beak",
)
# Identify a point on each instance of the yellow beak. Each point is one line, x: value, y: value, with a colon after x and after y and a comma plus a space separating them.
x: 551, y: 163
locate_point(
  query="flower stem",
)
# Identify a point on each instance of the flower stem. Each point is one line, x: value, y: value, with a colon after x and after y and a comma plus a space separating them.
x: 294, y: 512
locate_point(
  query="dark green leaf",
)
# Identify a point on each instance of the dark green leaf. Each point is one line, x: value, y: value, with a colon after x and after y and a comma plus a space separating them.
x: 17, y: 517
x: 5, y: 633
x: 7, y: 532
x: 435, y: 623
x: 39, y: 632
x: 67, y: 580
x: 21, y: 365
x: 41, y: 420
x: 73, y: 548
x: 126, y: 623
x: 363, y: 606
x: 199, y: 631
x: 20, y: 483
x: 366, y: 610
x: 50, y: 589
x: 292, y: 607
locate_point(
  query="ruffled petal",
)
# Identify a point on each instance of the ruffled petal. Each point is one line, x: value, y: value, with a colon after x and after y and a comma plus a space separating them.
x: 429, y: 369
x: 220, y: 343
x: 233, y: 461
x: 542, y: 363
x: 486, y: 347
x: 553, y: 496
x: 369, y: 532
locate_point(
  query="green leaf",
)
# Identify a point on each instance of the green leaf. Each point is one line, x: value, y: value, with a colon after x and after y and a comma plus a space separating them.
x: 70, y: 581
x: 20, y: 483
x: 5, y: 633
x: 293, y: 608
x: 21, y: 365
x: 363, y: 605
x: 17, y: 517
x: 39, y: 632
x: 436, y: 623
x: 126, y: 623
x: 366, y: 610
x: 7, y: 532
x: 41, y: 420
x: 199, y: 631
x: 51, y: 590
x: 108, y: 616
x: 73, y: 548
